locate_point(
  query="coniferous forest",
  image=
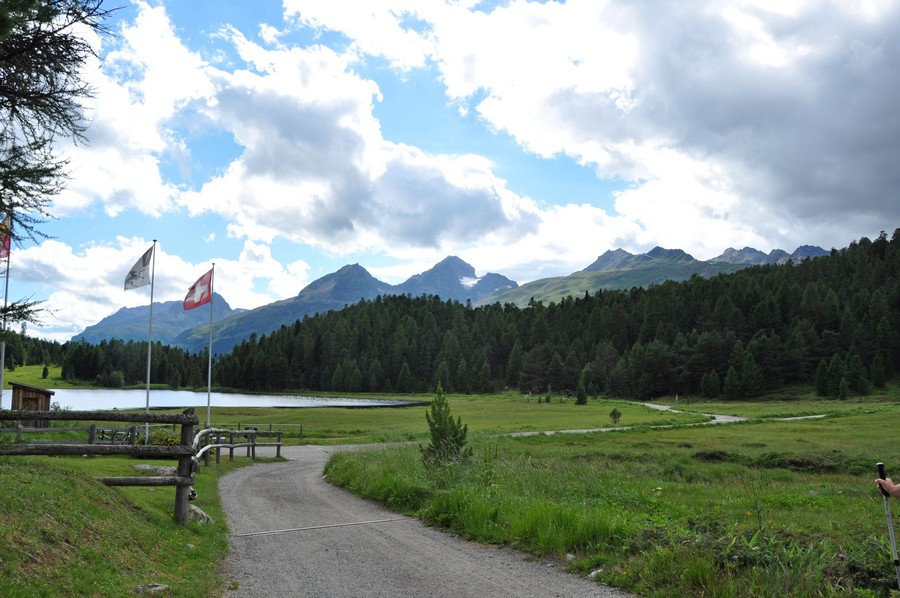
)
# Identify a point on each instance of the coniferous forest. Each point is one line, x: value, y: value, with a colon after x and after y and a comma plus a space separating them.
x: 832, y: 323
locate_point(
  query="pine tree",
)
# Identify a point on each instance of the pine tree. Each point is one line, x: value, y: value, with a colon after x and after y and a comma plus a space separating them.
x: 732, y: 385
x: 753, y: 380
x: 581, y: 394
x: 822, y: 378
x: 843, y: 389
x: 877, y: 372
x: 448, y: 436
x: 710, y: 385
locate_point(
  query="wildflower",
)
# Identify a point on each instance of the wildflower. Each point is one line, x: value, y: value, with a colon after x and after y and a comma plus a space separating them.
x: 841, y: 556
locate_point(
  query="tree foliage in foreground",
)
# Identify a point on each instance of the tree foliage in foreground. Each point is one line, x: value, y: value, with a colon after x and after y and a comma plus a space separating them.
x: 44, y: 46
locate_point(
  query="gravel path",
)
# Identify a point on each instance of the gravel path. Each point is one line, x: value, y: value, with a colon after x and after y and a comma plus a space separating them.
x: 293, y: 534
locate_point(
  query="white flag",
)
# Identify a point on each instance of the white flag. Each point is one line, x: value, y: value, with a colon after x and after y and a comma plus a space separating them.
x: 139, y: 275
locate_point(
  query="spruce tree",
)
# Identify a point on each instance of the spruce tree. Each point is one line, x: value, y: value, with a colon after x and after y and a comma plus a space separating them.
x: 581, y: 394
x: 822, y: 378
x: 732, y: 386
x: 448, y: 436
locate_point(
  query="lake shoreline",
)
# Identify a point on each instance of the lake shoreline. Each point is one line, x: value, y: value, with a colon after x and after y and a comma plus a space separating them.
x: 109, y: 399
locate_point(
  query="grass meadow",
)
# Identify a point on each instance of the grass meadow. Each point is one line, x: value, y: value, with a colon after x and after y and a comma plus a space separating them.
x: 767, y: 507
x: 660, y: 505
x: 65, y: 534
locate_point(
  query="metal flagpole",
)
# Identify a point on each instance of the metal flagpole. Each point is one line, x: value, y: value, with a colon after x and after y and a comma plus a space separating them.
x: 5, y: 305
x: 212, y: 283
x: 150, y: 342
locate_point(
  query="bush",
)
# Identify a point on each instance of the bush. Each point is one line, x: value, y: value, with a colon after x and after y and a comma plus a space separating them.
x: 114, y: 379
x: 164, y: 437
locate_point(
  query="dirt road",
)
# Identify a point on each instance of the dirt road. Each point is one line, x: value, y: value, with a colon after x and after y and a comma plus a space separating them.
x: 293, y: 534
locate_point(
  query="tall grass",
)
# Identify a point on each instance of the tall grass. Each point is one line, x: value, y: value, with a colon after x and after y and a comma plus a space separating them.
x: 761, y: 508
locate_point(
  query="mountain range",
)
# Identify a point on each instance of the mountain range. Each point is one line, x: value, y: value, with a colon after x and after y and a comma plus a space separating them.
x: 619, y: 269
x: 450, y: 279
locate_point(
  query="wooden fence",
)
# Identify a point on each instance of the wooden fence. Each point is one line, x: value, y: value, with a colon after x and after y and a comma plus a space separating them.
x: 95, y: 434
x: 106, y: 440
x: 184, y: 451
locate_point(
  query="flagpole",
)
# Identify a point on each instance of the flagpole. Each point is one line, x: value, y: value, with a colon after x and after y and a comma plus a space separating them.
x: 150, y: 343
x: 212, y: 282
x: 5, y: 305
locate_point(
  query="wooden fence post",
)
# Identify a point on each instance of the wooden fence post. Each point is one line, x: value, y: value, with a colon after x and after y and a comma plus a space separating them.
x: 185, y: 470
x: 92, y: 434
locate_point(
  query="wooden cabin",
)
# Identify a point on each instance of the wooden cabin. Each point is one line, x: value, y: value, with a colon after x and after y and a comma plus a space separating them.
x: 31, y: 398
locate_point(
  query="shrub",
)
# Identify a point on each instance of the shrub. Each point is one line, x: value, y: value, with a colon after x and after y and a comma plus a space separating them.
x: 164, y: 437
x: 114, y: 379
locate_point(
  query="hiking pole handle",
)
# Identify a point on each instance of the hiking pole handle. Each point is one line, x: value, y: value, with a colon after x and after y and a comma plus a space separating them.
x: 881, y: 476
x: 890, y: 523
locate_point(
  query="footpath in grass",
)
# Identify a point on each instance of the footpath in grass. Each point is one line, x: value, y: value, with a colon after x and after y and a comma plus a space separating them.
x: 490, y: 414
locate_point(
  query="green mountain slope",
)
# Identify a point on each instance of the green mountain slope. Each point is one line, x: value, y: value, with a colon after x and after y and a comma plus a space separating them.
x: 635, y: 273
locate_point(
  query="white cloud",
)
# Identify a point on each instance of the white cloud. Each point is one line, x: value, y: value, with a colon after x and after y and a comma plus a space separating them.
x: 147, y: 78
x: 315, y: 169
x: 102, y: 268
x: 789, y: 104
x: 388, y: 28
x: 757, y: 123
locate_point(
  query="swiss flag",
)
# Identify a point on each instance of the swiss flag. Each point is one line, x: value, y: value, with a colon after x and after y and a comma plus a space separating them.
x: 200, y: 292
x: 5, y: 238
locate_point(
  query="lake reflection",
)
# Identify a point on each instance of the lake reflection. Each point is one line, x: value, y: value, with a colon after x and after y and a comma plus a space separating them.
x: 89, y: 400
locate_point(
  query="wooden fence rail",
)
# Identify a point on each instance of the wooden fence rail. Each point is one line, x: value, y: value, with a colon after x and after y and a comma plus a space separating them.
x: 95, y: 434
x: 184, y: 452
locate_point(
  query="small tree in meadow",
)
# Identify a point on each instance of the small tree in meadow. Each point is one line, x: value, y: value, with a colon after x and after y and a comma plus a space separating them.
x: 448, y: 436
x: 581, y: 394
x: 615, y: 415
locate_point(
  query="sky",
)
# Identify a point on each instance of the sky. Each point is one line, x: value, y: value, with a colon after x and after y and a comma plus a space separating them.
x: 280, y: 141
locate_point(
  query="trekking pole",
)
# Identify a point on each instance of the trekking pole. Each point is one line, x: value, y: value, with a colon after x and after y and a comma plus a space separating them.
x: 887, y: 511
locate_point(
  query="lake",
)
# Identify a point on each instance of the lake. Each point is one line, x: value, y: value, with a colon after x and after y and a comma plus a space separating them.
x: 91, y: 399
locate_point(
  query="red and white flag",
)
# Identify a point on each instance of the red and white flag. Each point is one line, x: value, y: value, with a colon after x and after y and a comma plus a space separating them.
x: 5, y: 238
x: 200, y: 292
